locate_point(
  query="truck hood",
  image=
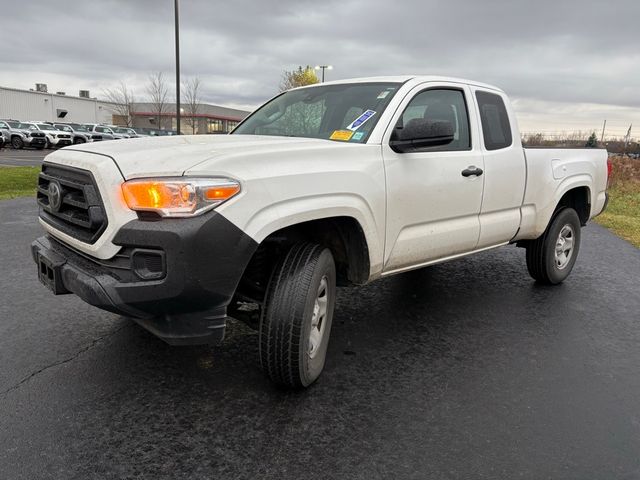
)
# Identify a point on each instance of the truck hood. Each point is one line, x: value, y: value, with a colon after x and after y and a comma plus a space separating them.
x: 176, y: 155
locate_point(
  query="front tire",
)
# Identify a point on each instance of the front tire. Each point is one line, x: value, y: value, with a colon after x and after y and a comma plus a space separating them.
x: 550, y: 258
x: 17, y: 143
x: 296, y: 318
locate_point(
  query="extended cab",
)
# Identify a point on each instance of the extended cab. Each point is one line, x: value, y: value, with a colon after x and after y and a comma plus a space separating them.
x: 334, y: 184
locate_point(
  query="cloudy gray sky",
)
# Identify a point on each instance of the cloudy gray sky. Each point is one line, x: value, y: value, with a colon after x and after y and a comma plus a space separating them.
x: 567, y: 64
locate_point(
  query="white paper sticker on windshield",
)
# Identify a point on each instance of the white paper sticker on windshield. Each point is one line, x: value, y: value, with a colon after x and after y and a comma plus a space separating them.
x: 358, y: 122
x: 383, y: 94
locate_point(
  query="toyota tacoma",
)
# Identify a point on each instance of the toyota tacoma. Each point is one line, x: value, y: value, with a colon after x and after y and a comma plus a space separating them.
x: 335, y: 184
x: 24, y: 135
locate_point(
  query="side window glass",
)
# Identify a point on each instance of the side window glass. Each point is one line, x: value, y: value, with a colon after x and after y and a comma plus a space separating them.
x: 496, y: 130
x: 440, y: 105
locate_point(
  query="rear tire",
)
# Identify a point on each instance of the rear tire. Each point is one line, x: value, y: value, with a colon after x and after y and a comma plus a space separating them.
x: 296, y: 318
x: 17, y: 143
x: 550, y: 258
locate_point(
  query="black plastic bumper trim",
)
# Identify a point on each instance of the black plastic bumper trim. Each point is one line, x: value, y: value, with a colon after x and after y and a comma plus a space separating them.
x: 204, y: 256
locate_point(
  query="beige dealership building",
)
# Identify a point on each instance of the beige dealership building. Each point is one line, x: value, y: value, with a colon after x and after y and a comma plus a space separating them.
x: 40, y: 105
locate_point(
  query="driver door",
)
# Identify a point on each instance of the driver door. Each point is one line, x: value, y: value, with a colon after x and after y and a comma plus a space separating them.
x: 432, y: 207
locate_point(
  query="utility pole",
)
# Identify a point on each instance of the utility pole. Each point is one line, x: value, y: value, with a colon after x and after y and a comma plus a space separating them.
x: 177, y: 29
x: 603, y: 127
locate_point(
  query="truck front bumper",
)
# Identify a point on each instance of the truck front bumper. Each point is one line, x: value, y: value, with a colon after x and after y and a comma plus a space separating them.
x: 34, y: 141
x: 175, y: 277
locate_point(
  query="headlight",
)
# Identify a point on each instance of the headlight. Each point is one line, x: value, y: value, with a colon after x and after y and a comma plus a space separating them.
x: 178, y: 197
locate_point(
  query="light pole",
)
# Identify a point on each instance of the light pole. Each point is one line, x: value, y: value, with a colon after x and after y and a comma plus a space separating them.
x: 177, y: 20
x: 323, y: 68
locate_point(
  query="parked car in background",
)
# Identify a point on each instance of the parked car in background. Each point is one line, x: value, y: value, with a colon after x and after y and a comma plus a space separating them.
x: 79, y: 134
x: 139, y: 132
x: 21, y: 135
x: 54, y: 137
x: 103, y: 130
x: 153, y: 132
x: 126, y: 131
x: 4, y: 137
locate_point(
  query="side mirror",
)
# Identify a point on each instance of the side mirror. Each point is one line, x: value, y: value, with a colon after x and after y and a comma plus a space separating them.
x: 421, y: 133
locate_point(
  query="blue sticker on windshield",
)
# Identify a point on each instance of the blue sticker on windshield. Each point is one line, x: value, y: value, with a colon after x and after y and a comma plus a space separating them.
x: 358, y: 122
x: 357, y: 136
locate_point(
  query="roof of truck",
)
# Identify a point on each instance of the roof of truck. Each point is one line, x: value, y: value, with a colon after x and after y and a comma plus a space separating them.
x: 406, y: 78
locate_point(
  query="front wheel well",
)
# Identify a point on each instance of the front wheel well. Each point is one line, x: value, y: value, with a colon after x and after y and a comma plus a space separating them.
x: 342, y: 235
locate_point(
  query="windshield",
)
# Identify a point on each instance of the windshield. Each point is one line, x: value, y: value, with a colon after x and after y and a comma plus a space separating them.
x: 27, y: 126
x: 42, y: 126
x: 345, y: 112
x: 65, y: 128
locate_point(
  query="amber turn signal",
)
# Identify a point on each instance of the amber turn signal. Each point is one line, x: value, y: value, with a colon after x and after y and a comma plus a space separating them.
x: 221, y: 193
x: 178, y: 197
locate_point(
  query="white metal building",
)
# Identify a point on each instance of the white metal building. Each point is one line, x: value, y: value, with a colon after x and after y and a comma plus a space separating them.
x: 32, y: 105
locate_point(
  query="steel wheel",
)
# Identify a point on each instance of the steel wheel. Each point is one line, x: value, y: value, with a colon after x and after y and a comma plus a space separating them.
x: 317, y: 320
x: 295, y: 321
x: 550, y: 257
x: 564, y: 246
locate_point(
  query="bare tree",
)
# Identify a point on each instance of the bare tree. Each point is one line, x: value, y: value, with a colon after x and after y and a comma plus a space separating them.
x: 122, y: 100
x: 158, y: 95
x: 191, y: 89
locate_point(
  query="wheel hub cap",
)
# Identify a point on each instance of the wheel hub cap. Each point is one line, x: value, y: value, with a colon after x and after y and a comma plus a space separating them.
x: 564, y: 246
x: 318, y: 319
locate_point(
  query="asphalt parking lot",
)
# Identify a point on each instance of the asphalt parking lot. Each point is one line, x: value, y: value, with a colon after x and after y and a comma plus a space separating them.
x: 463, y: 370
x: 22, y: 158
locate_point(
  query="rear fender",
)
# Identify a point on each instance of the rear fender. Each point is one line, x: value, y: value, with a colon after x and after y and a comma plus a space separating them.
x: 535, y: 220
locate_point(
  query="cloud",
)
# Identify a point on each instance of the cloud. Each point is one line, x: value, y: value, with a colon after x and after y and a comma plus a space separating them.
x: 548, y: 53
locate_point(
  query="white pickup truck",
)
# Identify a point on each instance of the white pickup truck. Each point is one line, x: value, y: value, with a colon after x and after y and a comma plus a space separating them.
x: 335, y: 184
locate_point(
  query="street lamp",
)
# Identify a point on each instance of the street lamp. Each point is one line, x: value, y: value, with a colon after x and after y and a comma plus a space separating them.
x: 177, y: 28
x: 323, y: 68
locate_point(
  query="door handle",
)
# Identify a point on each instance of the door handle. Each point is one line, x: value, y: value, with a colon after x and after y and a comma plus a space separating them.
x: 472, y: 170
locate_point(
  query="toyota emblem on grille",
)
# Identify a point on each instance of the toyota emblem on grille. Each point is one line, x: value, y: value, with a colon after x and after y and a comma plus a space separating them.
x: 55, y: 196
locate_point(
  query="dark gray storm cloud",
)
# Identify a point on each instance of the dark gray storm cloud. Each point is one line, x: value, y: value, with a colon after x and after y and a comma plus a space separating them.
x: 546, y: 54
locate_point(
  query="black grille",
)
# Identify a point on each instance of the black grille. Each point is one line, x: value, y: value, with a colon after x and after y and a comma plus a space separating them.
x: 37, y: 134
x: 77, y: 210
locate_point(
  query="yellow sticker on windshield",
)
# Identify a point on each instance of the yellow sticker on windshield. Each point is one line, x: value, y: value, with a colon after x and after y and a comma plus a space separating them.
x: 344, y: 135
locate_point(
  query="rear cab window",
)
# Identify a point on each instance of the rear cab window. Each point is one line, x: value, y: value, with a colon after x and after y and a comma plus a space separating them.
x: 496, y: 130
